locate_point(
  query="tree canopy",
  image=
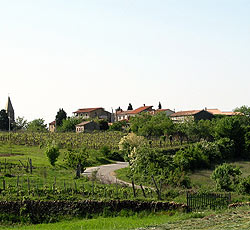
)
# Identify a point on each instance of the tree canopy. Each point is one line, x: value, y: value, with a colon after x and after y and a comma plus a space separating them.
x: 37, y: 125
x: 130, y: 107
x: 4, y: 120
x: 60, y: 116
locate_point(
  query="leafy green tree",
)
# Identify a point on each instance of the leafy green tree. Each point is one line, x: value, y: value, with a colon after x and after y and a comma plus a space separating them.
x: 232, y: 128
x: 60, y: 116
x: 76, y: 157
x: 226, y: 177
x: 69, y: 124
x: 118, y: 126
x: 4, y: 120
x: 20, y: 123
x: 152, y: 125
x: 103, y: 124
x: 37, y: 125
x: 244, y: 110
x: 52, y: 152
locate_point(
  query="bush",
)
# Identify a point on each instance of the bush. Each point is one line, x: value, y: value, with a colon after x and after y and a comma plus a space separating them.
x: 226, y: 177
x: 244, y: 186
x: 191, y: 158
x: 52, y: 152
x: 74, y: 157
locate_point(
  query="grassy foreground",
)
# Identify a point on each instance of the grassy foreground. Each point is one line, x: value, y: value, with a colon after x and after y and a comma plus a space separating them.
x: 238, y: 218
x: 131, y: 222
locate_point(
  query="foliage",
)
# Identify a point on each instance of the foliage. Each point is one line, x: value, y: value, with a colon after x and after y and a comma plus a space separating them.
x: 244, y: 186
x: 4, y: 120
x: 244, y: 110
x: 226, y: 177
x: 73, y: 157
x: 232, y: 128
x: 20, y: 123
x: 191, y: 158
x: 103, y: 124
x: 118, y: 126
x: 37, y: 125
x: 128, y: 145
x: 60, y: 116
x: 159, y: 106
x: 52, y: 152
x: 69, y: 124
x: 130, y: 107
x: 151, y: 125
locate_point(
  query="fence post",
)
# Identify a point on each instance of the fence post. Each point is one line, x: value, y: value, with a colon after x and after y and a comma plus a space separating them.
x: 4, y: 184
x: 133, y: 186
x: 30, y: 161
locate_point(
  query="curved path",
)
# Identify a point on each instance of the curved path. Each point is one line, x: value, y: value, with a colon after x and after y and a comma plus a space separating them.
x: 106, y: 173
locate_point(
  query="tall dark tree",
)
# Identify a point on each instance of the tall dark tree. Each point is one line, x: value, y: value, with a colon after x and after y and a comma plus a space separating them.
x: 60, y: 116
x: 4, y: 120
x: 130, y: 107
x: 159, y: 106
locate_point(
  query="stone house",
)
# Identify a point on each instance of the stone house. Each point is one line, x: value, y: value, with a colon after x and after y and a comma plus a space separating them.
x: 191, y: 115
x: 87, y: 113
x: 87, y: 126
x: 125, y: 115
x: 52, y: 126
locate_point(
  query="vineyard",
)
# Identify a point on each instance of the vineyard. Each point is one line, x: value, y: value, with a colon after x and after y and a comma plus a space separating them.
x: 64, y: 140
x: 94, y: 140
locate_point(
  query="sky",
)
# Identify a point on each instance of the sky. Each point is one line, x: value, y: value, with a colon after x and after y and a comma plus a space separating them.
x: 109, y: 53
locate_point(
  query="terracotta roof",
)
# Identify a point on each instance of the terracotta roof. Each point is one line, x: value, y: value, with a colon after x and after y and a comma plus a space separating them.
x: 185, y: 113
x: 231, y: 113
x: 135, y: 111
x: 87, y: 110
x: 140, y: 109
x: 163, y: 110
x: 84, y: 123
x: 218, y: 112
x: 214, y: 111
x: 52, y: 123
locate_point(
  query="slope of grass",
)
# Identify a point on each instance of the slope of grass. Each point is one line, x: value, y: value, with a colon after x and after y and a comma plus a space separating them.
x: 121, y: 222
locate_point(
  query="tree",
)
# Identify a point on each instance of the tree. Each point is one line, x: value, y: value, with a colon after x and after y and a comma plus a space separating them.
x: 226, y: 177
x: 103, y: 124
x: 232, y: 128
x: 20, y: 123
x: 159, y: 106
x: 4, y: 120
x: 244, y: 110
x: 69, y: 124
x: 118, y: 126
x: 37, y: 125
x: 60, y: 116
x: 52, y: 152
x: 130, y: 107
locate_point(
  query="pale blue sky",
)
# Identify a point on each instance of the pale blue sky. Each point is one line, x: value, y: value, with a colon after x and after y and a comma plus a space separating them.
x: 109, y: 53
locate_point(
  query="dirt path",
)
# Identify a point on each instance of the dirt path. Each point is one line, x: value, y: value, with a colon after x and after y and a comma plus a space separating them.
x: 106, y: 172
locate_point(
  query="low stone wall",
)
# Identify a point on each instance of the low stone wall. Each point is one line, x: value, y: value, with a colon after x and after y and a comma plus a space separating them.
x: 40, y: 211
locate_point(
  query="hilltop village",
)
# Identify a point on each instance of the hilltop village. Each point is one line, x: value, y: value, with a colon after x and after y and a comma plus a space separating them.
x: 85, y: 119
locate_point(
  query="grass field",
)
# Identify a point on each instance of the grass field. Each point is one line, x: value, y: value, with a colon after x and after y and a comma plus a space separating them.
x: 121, y: 222
x: 238, y: 218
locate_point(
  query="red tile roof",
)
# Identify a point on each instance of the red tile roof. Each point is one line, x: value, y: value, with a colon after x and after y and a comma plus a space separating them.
x: 84, y: 123
x: 52, y: 123
x: 185, y: 113
x: 135, y: 111
x: 87, y: 110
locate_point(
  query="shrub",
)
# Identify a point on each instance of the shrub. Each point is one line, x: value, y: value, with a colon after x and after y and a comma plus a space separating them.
x: 226, y: 177
x: 52, y: 152
x: 74, y: 157
x: 244, y: 186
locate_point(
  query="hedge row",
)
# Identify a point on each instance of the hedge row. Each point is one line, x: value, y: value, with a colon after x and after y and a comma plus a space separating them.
x: 42, y: 211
